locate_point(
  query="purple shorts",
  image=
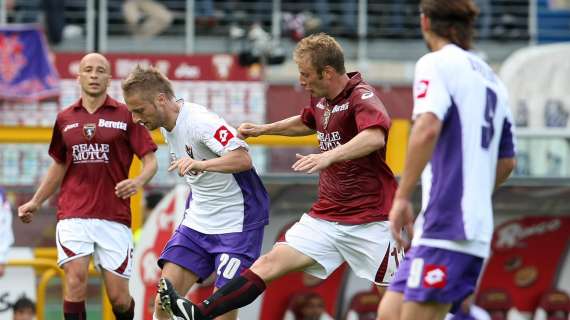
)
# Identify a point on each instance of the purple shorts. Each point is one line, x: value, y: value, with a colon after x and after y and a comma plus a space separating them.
x: 228, y: 254
x: 430, y: 274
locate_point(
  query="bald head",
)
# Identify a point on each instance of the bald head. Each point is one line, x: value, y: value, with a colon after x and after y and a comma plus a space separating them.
x: 95, y: 58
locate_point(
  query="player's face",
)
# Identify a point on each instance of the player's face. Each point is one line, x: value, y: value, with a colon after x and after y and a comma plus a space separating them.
x: 144, y: 112
x: 310, y: 79
x: 94, y: 75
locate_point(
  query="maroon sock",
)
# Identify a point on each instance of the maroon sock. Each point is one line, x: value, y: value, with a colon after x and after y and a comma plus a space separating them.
x: 74, y: 310
x: 237, y: 293
x: 128, y: 314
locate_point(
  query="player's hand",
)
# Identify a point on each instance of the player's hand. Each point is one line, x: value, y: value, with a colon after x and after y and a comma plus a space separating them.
x: 246, y: 130
x: 186, y: 166
x: 27, y: 210
x: 312, y: 162
x: 126, y: 188
x: 402, y: 218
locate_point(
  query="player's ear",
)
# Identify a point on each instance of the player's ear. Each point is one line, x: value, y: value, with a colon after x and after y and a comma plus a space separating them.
x: 425, y: 22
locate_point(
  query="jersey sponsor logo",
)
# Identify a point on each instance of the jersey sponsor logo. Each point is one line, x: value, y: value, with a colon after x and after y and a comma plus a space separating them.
x: 329, y: 141
x: 113, y: 124
x: 90, y: 153
x: 435, y: 276
x: 223, y: 135
x: 339, y: 108
x: 367, y: 95
x: 89, y: 130
x: 70, y: 126
x: 422, y: 88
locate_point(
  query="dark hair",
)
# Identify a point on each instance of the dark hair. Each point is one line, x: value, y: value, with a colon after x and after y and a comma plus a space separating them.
x: 453, y: 20
x: 322, y: 50
x: 148, y: 82
x: 24, y: 303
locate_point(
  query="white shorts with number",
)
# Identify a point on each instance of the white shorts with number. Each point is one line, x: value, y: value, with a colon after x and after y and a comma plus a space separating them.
x: 369, y: 249
x: 110, y: 243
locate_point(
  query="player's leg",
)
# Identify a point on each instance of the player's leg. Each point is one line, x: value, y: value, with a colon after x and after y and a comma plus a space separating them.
x: 241, y: 290
x: 76, y: 272
x: 308, y: 246
x: 390, y: 306
x: 182, y: 279
x: 113, y: 256
x: 117, y: 287
x: 74, y: 249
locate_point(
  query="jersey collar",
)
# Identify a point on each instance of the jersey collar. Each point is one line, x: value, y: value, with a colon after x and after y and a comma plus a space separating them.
x: 109, y: 102
x: 355, y: 79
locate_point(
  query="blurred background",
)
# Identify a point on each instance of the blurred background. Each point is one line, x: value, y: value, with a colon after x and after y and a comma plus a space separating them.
x: 235, y: 58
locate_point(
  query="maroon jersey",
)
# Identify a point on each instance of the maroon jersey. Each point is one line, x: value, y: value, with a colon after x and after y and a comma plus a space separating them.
x: 98, y: 150
x: 356, y: 191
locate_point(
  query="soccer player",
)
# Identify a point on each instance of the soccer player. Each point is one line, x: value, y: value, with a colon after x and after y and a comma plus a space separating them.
x: 356, y: 187
x: 462, y: 140
x: 222, y: 229
x: 92, y: 146
x: 6, y: 233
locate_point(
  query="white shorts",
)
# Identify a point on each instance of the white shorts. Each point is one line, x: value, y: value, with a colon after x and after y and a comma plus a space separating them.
x: 369, y: 249
x: 110, y: 243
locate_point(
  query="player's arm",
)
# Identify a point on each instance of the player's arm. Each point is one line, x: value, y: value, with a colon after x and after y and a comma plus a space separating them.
x: 129, y: 187
x: 292, y: 126
x: 423, y: 139
x: 505, y: 167
x: 234, y: 161
x: 47, y: 188
x: 364, y: 143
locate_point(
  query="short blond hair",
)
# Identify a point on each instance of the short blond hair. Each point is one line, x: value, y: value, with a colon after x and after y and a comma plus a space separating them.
x: 322, y: 50
x: 148, y: 82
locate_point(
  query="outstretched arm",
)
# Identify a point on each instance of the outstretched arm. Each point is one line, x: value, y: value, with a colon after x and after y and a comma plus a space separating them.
x: 292, y: 126
x: 364, y: 143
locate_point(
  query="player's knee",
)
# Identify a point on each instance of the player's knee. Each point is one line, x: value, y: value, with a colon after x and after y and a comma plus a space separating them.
x: 119, y: 300
x: 76, y: 283
x: 265, y: 267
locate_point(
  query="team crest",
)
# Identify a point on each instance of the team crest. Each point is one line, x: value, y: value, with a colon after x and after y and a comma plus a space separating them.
x: 89, y: 130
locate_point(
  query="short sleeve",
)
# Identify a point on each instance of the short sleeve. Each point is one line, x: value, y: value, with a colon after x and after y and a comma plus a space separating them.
x: 308, y: 117
x: 219, y: 136
x: 507, y: 141
x: 140, y: 140
x: 57, y: 149
x: 369, y: 111
x: 430, y: 91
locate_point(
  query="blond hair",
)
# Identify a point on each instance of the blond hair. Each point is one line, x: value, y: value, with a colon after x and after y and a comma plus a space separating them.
x: 322, y: 50
x: 148, y: 82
